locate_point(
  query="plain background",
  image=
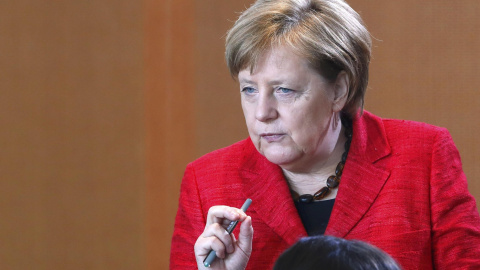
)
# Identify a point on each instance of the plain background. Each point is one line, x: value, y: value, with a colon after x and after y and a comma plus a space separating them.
x: 103, y: 103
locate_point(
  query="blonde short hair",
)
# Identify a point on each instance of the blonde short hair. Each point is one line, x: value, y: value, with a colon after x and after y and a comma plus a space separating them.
x: 329, y: 34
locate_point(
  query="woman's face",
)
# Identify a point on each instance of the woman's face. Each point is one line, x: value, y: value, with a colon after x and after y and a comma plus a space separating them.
x: 289, y: 108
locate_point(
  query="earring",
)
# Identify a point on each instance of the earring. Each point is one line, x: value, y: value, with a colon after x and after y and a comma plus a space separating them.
x: 336, y: 120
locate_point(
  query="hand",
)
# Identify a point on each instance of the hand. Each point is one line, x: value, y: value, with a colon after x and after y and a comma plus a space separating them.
x: 232, y: 254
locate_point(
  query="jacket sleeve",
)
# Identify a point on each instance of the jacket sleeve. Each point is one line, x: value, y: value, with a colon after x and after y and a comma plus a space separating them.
x: 454, y: 215
x: 189, y: 223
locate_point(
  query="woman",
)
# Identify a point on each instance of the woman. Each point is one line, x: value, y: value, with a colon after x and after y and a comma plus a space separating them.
x: 332, y: 253
x: 314, y: 162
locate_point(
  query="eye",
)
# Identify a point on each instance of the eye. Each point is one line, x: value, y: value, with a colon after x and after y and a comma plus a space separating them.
x: 284, y: 90
x: 248, y: 90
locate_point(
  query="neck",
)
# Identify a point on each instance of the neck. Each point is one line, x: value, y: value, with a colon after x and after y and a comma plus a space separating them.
x: 312, y: 179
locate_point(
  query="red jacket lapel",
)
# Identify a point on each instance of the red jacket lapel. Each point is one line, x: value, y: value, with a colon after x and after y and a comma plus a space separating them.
x: 271, y: 199
x: 363, y: 176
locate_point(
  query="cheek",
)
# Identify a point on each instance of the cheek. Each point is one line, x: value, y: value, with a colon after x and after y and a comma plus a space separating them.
x: 244, y: 107
x: 248, y: 115
x: 304, y: 134
x: 308, y: 125
x: 250, y: 122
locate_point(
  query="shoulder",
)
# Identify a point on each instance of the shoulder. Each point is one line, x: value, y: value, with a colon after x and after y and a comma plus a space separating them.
x: 401, y: 126
x: 407, y: 132
x: 376, y: 137
x: 411, y: 128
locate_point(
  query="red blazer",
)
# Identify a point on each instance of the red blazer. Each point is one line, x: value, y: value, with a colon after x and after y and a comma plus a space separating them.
x: 402, y: 190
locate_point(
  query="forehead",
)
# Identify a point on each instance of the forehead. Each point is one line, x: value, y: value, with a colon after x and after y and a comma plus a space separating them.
x: 278, y: 63
x: 277, y: 58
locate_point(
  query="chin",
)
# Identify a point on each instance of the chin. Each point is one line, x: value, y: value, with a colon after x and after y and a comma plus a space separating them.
x: 280, y: 158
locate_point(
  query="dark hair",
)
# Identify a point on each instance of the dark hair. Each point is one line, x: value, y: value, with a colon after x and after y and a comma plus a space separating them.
x: 332, y: 253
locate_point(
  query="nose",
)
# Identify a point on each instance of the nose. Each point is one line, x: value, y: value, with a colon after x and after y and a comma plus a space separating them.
x: 266, y: 108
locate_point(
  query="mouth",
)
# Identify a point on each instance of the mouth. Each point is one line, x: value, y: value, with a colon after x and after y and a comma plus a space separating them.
x: 272, y: 137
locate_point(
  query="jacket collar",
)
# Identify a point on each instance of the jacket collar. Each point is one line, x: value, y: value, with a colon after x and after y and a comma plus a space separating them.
x: 271, y: 199
x: 362, y: 179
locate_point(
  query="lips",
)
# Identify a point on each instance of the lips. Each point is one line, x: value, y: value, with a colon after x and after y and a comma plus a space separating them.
x: 272, y: 137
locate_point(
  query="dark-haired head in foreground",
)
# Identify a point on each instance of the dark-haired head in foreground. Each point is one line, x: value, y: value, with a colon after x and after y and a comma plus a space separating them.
x: 332, y: 253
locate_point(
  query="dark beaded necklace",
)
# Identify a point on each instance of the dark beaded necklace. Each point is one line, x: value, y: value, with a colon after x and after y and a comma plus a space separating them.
x: 333, y: 180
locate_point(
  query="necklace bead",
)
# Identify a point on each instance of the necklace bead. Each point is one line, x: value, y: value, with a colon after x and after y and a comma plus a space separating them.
x: 322, y: 193
x: 339, y: 169
x: 305, y: 198
x: 332, y: 181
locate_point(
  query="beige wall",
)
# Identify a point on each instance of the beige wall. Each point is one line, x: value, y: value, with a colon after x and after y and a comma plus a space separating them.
x: 170, y: 140
x: 103, y: 103
x: 71, y: 135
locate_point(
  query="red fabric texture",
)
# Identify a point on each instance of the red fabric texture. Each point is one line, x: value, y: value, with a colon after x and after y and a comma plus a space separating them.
x: 402, y: 190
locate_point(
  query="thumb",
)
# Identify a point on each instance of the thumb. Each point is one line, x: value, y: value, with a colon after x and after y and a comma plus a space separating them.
x: 245, y: 236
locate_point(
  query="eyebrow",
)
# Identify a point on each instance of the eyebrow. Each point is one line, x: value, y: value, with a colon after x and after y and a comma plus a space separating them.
x: 246, y: 81
x: 275, y: 82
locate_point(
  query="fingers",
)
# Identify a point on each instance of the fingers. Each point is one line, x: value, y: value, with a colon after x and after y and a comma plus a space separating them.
x: 224, y: 214
x: 216, y: 238
x: 245, y: 236
x: 219, y: 238
x: 202, y: 248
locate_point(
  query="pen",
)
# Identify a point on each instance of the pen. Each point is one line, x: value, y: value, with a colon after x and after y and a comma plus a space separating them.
x: 212, y: 255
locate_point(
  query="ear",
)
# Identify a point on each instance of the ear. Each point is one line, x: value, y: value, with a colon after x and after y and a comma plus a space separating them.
x: 341, y: 90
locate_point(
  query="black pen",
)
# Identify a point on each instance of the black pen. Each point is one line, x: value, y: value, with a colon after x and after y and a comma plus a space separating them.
x: 212, y: 255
